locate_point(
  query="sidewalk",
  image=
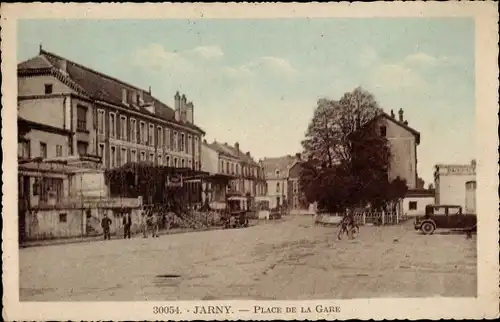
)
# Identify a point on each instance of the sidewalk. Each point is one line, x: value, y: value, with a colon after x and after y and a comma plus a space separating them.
x: 86, y: 239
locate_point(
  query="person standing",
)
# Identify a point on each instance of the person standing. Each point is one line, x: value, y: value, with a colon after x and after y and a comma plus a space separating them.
x: 105, y: 224
x: 127, y: 223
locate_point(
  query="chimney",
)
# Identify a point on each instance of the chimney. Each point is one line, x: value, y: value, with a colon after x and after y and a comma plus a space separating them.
x: 298, y: 156
x: 392, y: 114
x: 248, y: 154
x: 473, y: 163
x: 149, y: 90
x: 63, y: 65
x: 183, y: 108
x: 189, y: 112
x: 177, y: 99
x: 400, y: 115
x: 405, y: 123
x: 237, y: 146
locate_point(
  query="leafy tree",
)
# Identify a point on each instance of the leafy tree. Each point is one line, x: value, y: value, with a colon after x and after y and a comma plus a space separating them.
x: 348, y: 160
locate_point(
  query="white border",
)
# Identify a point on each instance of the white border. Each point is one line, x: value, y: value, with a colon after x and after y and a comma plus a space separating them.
x: 486, y: 36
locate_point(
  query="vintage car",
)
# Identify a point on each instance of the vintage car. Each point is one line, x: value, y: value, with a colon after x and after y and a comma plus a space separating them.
x: 445, y: 216
x: 236, y: 214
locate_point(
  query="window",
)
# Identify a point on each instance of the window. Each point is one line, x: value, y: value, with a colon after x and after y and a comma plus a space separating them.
x: 227, y: 167
x: 63, y: 217
x: 100, y: 121
x: 278, y: 187
x: 222, y: 166
x: 112, y: 125
x: 23, y: 149
x: 123, y: 156
x: 412, y: 205
x: 189, y: 146
x: 383, y: 131
x: 238, y: 169
x: 160, y: 160
x: 196, y: 147
x: 133, y: 130
x: 143, y: 132
x: 58, y: 150
x: 48, y: 89
x: 143, y: 156
x: 277, y: 173
x: 295, y: 186
x: 81, y: 118
x: 167, y: 139
x: 167, y: 161
x: 196, y: 165
x: 43, y: 150
x: 182, y: 163
x: 151, y: 134
x: 48, y: 187
x: 189, y: 164
x: 159, y: 136
x: 82, y: 147
x: 112, y: 157
x: 101, y: 152
x: 175, y: 141
x: 133, y: 155
x: 232, y: 168
x: 175, y: 162
x: 152, y: 157
x: 182, y: 143
x: 123, y: 128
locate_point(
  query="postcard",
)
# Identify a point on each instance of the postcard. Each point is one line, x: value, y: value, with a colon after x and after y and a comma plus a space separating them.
x: 255, y: 161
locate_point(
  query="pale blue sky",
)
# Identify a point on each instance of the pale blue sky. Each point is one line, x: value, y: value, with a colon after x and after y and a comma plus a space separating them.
x: 257, y: 81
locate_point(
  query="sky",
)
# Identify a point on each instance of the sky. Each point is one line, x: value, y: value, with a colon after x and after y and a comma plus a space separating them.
x: 257, y: 81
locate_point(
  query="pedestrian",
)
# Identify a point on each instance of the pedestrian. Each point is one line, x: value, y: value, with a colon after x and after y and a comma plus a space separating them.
x: 127, y: 223
x: 105, y: 224
x: 144, y: 224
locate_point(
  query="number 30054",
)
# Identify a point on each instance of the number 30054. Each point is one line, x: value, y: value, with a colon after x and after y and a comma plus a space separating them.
x: 166, y: 310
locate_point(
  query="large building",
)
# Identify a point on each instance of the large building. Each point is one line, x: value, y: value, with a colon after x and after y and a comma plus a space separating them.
x: 75, y: 122
x: 78, y: 111
x: 403, y: 142
x: 455, y: 184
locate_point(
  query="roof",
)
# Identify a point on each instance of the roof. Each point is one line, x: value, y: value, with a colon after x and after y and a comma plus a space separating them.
x: 420, y: 193
x: 96, y: 85
x: 230, y: 151
x: 282, y: 164
x: 394, y: 120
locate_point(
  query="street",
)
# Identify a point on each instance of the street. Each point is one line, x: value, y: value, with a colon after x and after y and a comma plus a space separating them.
x: 289, y: 259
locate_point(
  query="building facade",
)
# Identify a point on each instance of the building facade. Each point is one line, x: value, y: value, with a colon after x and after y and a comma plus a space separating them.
x: 403, y: 142
x: 278, y: 180
x: 89, y: 113
x: 455, y: 184
x: 416, y: 200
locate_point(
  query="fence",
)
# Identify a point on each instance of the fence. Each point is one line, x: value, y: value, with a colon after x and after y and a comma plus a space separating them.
x: 365, y: 217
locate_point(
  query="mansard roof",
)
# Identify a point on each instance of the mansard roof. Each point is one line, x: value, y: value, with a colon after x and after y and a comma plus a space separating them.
x: 96, y: 85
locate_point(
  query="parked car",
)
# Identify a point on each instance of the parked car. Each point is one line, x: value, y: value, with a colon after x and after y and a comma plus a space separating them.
x: 445, y: 216
x: 236, y: 214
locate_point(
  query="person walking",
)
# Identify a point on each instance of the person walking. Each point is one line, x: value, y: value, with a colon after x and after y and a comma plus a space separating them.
x: 105, y: 224
x: 127, y: 223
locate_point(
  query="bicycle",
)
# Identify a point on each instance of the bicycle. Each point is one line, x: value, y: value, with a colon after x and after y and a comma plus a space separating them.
x: 351, y: 230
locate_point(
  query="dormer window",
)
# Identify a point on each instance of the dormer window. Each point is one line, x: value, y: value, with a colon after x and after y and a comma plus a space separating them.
x: 48, y: 89
x: 277, y: 173
x: 124, y: 96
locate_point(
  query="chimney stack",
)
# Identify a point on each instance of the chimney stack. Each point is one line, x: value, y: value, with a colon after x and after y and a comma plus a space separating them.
x: 177, y: 99
x: 237, y: 146
x: 405, y: 123
x: 400, y: 115
x: 248, y: 154
x: 149, y: 89
x: 183, y: 108
x: 189, y: 112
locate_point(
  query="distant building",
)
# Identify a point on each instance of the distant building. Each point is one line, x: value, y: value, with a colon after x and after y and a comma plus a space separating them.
x: 280, y: 186
x: 296, y: 197
x: 233, y: 169
x: 455, y: 184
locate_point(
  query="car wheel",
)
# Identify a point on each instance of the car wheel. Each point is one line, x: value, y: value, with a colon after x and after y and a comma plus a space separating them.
x: 428, y: 228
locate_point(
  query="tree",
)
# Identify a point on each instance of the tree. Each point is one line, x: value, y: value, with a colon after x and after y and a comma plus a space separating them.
x: 348, y: 160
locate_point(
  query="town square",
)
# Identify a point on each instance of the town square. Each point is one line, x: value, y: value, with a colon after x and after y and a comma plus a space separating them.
x: 247, y: 159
